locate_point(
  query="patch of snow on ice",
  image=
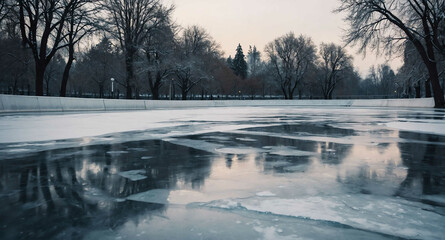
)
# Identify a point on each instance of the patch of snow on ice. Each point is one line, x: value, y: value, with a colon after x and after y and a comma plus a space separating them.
x: 240, y: 150
x: 271, y: 233
x: 423, y: 127
x: 153, y: 196
x: 134, y: 175
x: 416, y: 221
x: 246, y: 139
x: 266, y: 194
x: 196, y: 144
x: 289, y: 151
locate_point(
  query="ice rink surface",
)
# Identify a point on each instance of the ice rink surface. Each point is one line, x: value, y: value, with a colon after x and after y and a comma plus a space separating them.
x: 224, y: 173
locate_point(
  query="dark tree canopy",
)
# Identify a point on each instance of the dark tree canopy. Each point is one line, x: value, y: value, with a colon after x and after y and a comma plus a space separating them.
x: 42, y: 24
x: 239, y: 64
x: 290, y: 58
x: 334, y: 61
x: 132, y: 22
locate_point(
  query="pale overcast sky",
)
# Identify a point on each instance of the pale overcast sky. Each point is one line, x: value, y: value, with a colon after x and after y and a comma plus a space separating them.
x: 257, y: 22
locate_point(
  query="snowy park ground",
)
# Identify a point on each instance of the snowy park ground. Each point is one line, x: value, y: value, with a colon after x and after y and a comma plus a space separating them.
x: 224, y: 173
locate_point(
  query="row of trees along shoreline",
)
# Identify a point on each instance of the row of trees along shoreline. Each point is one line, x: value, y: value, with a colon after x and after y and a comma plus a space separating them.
x: 75, y: 47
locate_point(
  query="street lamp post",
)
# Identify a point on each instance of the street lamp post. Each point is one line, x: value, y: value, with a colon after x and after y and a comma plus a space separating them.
x: 112, y: 87
x: 171, y: 89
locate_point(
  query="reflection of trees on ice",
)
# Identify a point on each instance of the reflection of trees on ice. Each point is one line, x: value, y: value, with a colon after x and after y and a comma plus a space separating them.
x: 425, y: 166
x: 83, y: 188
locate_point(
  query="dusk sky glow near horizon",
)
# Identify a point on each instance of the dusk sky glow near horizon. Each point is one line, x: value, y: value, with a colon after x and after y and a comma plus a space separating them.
x: 258, y: 22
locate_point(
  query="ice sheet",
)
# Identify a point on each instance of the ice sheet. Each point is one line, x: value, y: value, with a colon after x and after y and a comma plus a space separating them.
x: 392, y: 216
x: 134, y: 175
x: 436, y: 127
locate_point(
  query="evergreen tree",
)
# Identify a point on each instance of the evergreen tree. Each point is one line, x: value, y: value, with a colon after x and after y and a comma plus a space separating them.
x: 254, y: 60
x: 239, y: 63
x: 230, y: 62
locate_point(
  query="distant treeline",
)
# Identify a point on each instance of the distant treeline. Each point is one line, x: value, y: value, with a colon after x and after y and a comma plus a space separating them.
x: 77, y: 47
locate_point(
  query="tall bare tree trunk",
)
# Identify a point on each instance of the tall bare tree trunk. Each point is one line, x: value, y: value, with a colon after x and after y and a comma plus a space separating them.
x: 129, y: 61
x: 40, y: 74
x: 66, y: 72
x: 428, y: 88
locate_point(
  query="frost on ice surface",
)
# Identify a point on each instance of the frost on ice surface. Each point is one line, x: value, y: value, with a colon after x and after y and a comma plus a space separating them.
x: 436, y: 127
x: 266, y: 173
x: 266, y: 194
x: 240, y: 150
x: 159, y: 196
x: 289, y: 151
x: 134, y: 175
x: 246, y: 139
x: 272, y: 233
x: 116, y: 152
x: 377, y: 214
x: 196, y: 144
x: 166, y: 196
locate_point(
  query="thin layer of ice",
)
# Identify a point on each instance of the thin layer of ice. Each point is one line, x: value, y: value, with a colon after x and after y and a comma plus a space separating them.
x: 266, y: 194
x: 385, y: 215
x: 159, y: 196
x: 134, y: 175
x: 196, y: 144
x: 240, y: 150
x: 116, y: 152
x: 246, y: 139
x: 272, y: 233
x: 423, y: 127
x: 289, y: 151
x: 165, y: 196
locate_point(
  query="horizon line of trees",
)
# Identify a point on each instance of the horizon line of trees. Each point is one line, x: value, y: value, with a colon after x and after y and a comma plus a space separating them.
x: 75, y: 48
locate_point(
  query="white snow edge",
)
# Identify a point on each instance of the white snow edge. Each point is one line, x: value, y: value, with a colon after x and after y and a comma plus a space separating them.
x: 13, y: 103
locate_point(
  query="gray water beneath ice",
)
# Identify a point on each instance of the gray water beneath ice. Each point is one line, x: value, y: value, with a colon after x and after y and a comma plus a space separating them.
x: 224, y: 173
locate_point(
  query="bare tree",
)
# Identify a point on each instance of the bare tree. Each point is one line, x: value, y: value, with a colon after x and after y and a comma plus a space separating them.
x: 291, y: 57
x: 41, y: 25
x: 15, y: 64
x: 387, y: 24
x: 159, y: 52
x: 132, y: 22
x: 194, y: 49
x: 413, y: 73
x: 4, y: 10
x: 334, y: 61
x: 80, y: 23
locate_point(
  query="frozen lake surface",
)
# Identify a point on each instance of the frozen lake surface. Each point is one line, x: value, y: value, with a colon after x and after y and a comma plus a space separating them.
x: 224, y: 173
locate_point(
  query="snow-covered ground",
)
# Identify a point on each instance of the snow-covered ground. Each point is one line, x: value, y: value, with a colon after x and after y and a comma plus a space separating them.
x: 239, y: 173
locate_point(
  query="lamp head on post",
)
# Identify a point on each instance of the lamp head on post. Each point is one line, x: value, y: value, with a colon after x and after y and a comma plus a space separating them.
x: 112, y: 87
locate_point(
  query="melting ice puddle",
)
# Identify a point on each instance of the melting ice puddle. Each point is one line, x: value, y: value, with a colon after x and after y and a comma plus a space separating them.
x: 134, y: 175
x: 116, y: 152
x: 165, y: 196
x: 296, y: 168
x: 272, y: 233
x: 425, y: 127
x: 17, y: 150
x: 196, y: 144
x: 246, y: 139
x: 33, y: 144
x: 137, y: 149
x: 289, y: 151
x: 241, y: 150
x: 220, y: 138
